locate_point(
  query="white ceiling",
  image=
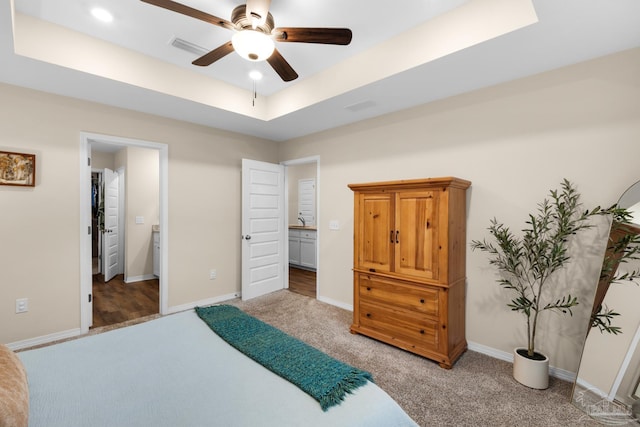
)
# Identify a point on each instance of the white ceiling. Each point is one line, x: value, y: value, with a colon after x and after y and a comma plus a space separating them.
x: 405, y: 53
x: 148, y: 29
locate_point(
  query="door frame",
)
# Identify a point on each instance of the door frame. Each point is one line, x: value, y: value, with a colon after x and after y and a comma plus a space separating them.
x: 86, y: 281
x: 295, y: 162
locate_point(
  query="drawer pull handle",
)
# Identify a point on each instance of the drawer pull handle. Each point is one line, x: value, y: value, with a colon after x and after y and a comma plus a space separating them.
x: 422, y: 331
x: 368, y: 314
x: 368, y: 288
x: 397, y: 234
x: 422, y: 301
x: 372, y: 270
x: 391, y: 236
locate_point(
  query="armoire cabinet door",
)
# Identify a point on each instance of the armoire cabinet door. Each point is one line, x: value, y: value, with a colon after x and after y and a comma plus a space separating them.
x: 416, y: 243
x: 374, y: 242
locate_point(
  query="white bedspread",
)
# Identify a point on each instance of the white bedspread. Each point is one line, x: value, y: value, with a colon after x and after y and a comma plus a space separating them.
x: 174, y: 371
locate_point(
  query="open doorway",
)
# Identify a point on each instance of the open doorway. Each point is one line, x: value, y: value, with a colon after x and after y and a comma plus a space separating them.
x: 116, y: 288
x: 303, y: 236
x: 123, y: 289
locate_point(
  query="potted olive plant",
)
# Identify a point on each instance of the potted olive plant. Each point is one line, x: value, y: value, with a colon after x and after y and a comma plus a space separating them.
x: 527, y: 262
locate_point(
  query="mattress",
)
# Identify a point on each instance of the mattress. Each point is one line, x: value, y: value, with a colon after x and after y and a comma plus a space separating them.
x: 174, y: 371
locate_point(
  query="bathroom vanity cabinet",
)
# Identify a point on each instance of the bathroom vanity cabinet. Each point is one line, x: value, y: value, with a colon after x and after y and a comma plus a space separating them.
x: 302, y: 247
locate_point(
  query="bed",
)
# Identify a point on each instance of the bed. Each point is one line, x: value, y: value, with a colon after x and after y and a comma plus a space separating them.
x: 175, y: 371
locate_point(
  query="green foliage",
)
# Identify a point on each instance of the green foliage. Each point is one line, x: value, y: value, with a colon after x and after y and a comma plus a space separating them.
x: 527, y: 263
x: 602, y: 321
x: 623, y: 246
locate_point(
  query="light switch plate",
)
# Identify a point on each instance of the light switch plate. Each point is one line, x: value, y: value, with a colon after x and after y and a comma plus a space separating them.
x: 334, y: 225
x: 139, y: 220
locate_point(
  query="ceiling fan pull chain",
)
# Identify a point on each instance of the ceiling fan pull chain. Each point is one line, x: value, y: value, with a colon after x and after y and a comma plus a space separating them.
x: 255, y: 94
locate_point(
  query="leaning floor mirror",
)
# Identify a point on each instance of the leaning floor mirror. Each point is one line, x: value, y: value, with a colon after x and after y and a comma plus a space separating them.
x: 607, y: 386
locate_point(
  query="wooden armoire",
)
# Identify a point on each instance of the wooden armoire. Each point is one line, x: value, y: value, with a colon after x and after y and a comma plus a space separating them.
x: 409, y: 265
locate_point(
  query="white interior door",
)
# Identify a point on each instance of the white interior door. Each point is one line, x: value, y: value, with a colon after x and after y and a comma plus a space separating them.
x: 263, y: 228
x: 307, y: 200
x: 110, y: 246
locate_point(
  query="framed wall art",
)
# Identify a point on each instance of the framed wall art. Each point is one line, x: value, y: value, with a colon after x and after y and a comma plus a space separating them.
x: 17, y: 169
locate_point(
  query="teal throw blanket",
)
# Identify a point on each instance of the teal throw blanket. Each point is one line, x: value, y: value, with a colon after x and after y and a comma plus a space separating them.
x: 322, y: 377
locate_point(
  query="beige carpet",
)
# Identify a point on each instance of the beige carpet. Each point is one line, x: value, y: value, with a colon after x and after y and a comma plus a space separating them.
x: 478, y: 391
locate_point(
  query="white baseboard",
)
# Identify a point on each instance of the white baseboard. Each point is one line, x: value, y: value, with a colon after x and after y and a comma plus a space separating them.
x: 562, y: 374
x: 201, y: 303
x: 489, y: 351
x: 348, y: 307
x: 508, y: 357
x: 47, y: 339
x: 44, y: 339
x: 133, y: 279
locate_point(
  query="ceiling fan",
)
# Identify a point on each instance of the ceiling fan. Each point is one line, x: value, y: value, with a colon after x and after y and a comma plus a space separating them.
x: 255, y: 34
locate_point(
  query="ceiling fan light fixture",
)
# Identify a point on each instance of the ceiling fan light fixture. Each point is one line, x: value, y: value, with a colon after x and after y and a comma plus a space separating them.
x: 253, y: 45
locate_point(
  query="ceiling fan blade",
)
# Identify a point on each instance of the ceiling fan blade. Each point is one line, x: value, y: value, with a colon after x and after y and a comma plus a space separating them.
x: 214, y: 55
x: 257, y: 11
x: 341, y: 36
x: 189, y: 11
x: 281, y: 66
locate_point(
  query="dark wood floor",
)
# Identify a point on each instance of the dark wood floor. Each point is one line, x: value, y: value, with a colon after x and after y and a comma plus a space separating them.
x: 117, y: 301
x: 302, y: 281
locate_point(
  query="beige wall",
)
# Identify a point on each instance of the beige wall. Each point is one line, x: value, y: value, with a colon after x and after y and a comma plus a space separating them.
x: 514, y: 142
x: 102, y: 160
x: 42, y: 224
x: 142, y: 193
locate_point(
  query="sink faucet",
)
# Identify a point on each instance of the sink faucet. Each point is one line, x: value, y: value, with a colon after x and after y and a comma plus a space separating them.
x: 301, y: 219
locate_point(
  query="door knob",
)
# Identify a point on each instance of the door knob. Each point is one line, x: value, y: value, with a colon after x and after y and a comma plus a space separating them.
x: 248, y: 237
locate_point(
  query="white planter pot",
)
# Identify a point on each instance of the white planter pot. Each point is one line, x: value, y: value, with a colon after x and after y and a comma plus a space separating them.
x: 530, y: 372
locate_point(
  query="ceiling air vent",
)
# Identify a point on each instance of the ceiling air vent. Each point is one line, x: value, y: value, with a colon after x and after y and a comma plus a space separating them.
x: 359, y: 106
x: 188, y: 46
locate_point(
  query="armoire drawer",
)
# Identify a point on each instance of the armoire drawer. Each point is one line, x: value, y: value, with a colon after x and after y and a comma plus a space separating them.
x: 405, y: 326
x: 411, y: 297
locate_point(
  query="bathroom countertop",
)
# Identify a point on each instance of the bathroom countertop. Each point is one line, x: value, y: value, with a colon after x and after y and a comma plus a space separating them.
x: 300, y: 227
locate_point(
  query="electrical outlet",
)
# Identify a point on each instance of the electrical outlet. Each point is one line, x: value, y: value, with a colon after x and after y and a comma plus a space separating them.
x: 213, y: 274
x: 22, y: 305
x: 334, y: 225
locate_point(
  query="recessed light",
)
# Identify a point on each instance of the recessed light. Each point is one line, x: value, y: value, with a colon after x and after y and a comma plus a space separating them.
x: 102, y: 14
x: 255, y: 75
